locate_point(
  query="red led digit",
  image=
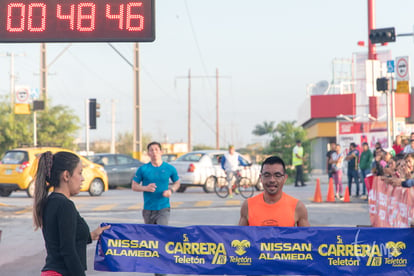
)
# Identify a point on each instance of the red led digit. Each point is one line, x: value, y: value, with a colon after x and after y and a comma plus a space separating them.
x: 10, y: 9
x: 119, y: 16
x: 70, y: 16
x: 130, y: 17
x: 86, y: 17
x: 30, y: 26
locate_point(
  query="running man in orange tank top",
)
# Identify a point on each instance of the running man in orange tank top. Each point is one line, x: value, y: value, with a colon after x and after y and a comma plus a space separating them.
x: 273, y: 207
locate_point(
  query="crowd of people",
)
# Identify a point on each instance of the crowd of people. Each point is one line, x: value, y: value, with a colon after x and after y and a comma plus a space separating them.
x: 394, y: 164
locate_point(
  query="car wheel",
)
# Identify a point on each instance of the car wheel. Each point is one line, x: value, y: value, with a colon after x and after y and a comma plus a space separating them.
x: 259, y: 185
x: 181, y: 189
x: 30, y: 189
x: 5, y: 193
x: 96, y: 188
x: 210, y: 184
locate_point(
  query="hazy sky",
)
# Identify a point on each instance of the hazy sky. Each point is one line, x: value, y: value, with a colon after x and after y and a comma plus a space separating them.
x: 266, y: 50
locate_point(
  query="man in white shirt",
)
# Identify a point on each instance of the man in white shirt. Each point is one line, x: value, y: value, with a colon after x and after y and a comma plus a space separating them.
x: 230, y: 163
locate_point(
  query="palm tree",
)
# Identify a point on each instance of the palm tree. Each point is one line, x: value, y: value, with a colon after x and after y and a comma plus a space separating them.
x: 267, y: 128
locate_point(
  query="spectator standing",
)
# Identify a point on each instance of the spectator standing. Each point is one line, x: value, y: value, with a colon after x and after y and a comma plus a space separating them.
x: 337, y: 161
x: 389, y: 169
x: 379, y: 163
x: 65, y: 232
x: 365, y: 164
x: 353, y: 158
x: 410, y: 147
x: 328, y: 158
x: 297, y: 161
x: 397, y: 146
x: 378, y: 146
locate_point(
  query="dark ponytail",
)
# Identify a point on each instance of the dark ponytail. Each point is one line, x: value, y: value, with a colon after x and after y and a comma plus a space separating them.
x: 49, y: 169
x: 44, y: 169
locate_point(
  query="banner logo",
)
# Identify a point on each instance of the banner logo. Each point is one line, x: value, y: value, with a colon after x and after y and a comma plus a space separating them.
x: 240, y: 245
x: 395, y: 248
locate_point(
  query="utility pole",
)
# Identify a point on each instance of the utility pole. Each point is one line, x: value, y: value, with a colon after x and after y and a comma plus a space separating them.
x: 217, y: 112
x: 113, y: 126
x: 137, y: 145
x: 190, y: 147
x: 372, y: 51
x: 217, y: 78
x: 12, y: 78
x: 87, y: 126
x: 43, y: 73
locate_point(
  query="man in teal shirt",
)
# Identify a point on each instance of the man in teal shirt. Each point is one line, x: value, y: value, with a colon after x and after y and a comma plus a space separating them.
x: 153, y: 179
x: 365, y: 163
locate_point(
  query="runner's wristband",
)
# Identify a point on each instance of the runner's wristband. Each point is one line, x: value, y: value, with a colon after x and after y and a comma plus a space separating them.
x: 172, y: 191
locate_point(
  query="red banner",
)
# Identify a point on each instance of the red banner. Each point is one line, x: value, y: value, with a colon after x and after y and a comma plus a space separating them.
x: 390, y: 206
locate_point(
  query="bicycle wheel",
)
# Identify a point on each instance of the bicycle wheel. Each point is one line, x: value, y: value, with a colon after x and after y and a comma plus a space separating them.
x: 221, y: 188
x: 246, y: 188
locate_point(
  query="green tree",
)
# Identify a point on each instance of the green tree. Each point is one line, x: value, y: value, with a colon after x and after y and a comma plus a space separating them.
x: 202, y: 147
x: 284, y: 140
x: 267, y: 128
x: 125, y: 141
x: 55, y: 127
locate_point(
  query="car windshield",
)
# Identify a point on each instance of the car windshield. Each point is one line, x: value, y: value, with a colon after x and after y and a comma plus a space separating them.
x: 192, y: 157
x: 94, y: 159
x: 15, y: 157
x: 123, y: 160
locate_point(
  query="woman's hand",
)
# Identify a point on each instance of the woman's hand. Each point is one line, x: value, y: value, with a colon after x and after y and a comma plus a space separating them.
x: 98, y: 231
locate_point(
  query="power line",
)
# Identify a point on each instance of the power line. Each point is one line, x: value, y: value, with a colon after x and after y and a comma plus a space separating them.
x: 121, y: 55
x: 196, y: 41
x: 160, y: 87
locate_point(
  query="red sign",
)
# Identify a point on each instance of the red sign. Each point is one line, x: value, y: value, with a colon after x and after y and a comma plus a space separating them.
x: 361, y: 127
x: 77, y: 20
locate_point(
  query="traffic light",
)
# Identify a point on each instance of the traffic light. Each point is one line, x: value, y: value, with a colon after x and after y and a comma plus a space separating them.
x: 382, y: 84
x: 93, y: 113
x: 38, y: 105
x: 382, y: 35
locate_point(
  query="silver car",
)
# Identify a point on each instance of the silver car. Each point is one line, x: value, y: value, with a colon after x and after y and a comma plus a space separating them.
x: 202, y: 168
x: 120, y: 168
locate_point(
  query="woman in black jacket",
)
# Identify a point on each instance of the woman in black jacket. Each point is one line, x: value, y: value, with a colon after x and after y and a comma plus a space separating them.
x: 65, y: 232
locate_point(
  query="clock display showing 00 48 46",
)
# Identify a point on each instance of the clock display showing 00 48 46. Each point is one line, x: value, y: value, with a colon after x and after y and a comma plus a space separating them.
x: 77, y: 21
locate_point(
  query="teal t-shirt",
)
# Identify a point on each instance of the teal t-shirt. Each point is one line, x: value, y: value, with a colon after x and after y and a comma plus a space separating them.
x: 161, y: 175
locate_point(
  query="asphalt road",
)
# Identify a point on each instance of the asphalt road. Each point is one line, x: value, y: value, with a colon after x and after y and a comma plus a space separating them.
x: 22, y: 249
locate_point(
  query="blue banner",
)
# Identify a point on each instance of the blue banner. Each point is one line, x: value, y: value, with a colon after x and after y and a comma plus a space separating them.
x: 248, y: 250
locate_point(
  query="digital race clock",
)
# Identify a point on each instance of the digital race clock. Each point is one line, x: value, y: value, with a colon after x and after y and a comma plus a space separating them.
x: 77, y: 21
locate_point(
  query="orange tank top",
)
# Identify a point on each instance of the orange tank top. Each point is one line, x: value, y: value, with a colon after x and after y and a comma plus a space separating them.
x: 281, y: 213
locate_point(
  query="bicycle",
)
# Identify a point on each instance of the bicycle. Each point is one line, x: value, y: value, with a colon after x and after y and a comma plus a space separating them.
x: 243, y: 184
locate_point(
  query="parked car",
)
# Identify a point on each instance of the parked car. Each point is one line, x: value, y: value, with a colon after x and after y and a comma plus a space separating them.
x: 18, y: 171
x: 120, y: 168
x: 202, y: 168
x: 168, y: 157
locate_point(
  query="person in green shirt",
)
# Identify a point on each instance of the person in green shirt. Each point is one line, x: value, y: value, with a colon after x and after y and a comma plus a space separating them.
x: 297, y: 161
x: 365, y: 164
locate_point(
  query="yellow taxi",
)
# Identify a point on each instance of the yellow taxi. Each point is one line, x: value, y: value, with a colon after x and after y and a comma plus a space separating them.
x: 18, y: 169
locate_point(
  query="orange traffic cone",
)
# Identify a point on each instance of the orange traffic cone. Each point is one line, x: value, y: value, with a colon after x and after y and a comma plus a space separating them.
x: 331, y: 194
x: 318, y: 195
x: 346, y: 196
